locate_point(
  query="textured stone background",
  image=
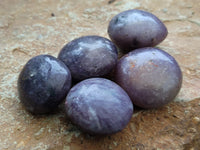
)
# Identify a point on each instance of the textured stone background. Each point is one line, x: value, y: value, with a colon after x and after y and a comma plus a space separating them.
x: 32, y: 27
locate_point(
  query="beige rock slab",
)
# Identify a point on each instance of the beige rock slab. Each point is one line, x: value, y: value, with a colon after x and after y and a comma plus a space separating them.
x: 29, y: 28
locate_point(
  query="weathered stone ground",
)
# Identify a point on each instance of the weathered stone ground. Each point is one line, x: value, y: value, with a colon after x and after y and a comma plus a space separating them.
x: 29, y: 28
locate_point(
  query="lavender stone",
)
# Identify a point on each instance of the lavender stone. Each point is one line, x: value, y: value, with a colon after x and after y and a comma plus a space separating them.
x: 134, y: 29
x: 99, y: 106
x: 89, y: 56
x: 150, y: 76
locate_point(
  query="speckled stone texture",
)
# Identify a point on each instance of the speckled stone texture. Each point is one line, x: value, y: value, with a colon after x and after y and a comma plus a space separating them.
x: 29, y: 28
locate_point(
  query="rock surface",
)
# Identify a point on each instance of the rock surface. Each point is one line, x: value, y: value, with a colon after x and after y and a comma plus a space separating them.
x: 29, y: 28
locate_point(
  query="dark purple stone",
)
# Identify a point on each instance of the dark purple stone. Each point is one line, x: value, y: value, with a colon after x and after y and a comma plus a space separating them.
x: 150, y: 76
x: 89, y: 56
x: 133, y: 29
x: 43, y: 83
x: 99, y: 106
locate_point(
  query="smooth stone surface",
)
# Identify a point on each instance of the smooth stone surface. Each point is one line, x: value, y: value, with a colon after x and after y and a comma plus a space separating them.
x: 99, y: 106
x: 43, y: 83
x: 151, y: 77
x: 135, y: 28
x: 89, y: 56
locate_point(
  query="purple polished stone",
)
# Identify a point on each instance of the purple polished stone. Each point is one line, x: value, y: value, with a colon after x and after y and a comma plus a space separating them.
x: 136, y: 29
x: 150, y: 76
x: 43, y: 83
x: 89, y: 56
x: 99, y: 106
